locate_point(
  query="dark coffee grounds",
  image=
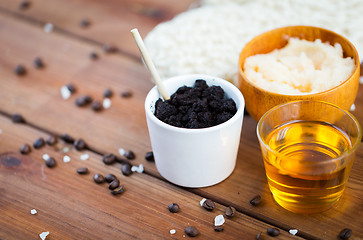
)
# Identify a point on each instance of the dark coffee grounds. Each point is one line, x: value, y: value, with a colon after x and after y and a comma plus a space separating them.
x: 200, y: 106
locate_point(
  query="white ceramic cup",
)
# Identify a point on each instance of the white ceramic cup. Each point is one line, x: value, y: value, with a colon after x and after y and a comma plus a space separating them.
x: 195, y: 157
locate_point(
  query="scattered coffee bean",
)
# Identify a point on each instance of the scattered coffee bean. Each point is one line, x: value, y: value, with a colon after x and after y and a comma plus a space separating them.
x: 114, y: 184
x: 118, y: 190
x: 110, y: 177
x: 39, y: 143
x: 24, y: 5
x: 126, y: 169
x: 130, y: 155
x: 345, y: 234
x: 98, y: 178
x: 96, y: 106
x: 25, y: 149
x: 259, y: 236
x: 208, y: 204
x: 108, y: 158
x: 108, y: 93
x: 256, y: 200
x: 93, y: 55
x: 84, y: 23
x: 173, y: 208
x: 50, y: 162
x: 149, y: 156
x: 126, y: 94
x: 17, y: 118
x: 218, y: 228
x: 230, y: 212
x: 38, y: 63
x: 82, y: 170
x: 71, y: 87
x: 67, y: 138
x: 83, y: 100
x: 79, y: 144
x: 20, y: 70
x: 191, y: 231
x: 51, y: 140
x: 121, y: 160
x: 273, y: 232
x: 107, y: 48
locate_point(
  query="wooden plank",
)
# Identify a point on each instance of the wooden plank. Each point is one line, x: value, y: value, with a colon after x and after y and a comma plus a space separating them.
x: 111, y: 20
x: 37, y: 98
x: 72, y: 206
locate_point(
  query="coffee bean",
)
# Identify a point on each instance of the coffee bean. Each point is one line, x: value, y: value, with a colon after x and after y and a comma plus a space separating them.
x: 191, y: 231
x: 25, y: 149
x: 38, y: 63
x: 173, y: 208
x: 118, y: 190
x: 273, y: 232
x: 51, y: 140
x: 67, y: 138
x: 50, y: 162
x: 24, y: 5
x: 110, y: 177
x: 230, y: 212
x: 96, y: 106
x: 256, y: 200
x: 345, y: 233
x: 20, y: 70
x: 83, y: 100
x: 130, y: 155
x: 98, y: 178
x: 17, y: 118
x: 84, y: 23
x: 39, y: 143
x: 149, y: 156
x: 218, y: 228
x: 126, y: 169
x: 114, y: 184
x: 93, y: 55
x: 109, y: 48
x: 108, y: 93
x: 108, y: 158
x: 79, y: 144
x: 126, y: 94
x: 82, y: 170
x: 71, y: 87
x: 208, y: 204
x: 259, y: 236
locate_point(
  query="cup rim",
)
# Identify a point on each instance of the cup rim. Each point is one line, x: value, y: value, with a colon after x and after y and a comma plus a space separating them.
x: 279, y: 155
x: 221, y: 82
x: 355, y: 58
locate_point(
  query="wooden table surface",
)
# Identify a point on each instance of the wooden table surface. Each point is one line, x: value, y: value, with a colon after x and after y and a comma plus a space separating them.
x: 72, y: 206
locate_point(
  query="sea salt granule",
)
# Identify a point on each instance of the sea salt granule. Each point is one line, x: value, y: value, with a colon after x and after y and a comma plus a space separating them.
x: 84, y: 157
x: 33, y: 211
x: 361, y: 80
x: 106, y: 103
x: 202, y: 201
x: 172, y: 231
x: 121, y: 151
x: 352, y: 108
x: 219, y: 220
x: 65, y: 93
x: 46, y: 157
x: 48, y: 27
x: 293, y: 231
x: 66, y: 159
x: 43, y: 235
x: 139, y: 169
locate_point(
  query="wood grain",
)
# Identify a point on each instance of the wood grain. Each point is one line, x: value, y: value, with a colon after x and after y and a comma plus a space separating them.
x: 37, y: 97
x: 72, y: 206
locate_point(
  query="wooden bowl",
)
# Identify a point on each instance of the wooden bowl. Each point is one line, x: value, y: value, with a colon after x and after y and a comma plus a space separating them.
x: 258, y: 100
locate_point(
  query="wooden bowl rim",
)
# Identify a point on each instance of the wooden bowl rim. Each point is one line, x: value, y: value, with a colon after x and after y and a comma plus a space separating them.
x: 309, y: 95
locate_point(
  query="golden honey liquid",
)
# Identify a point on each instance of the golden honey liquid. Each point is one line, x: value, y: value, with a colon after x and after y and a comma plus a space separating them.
x: 301, y: 178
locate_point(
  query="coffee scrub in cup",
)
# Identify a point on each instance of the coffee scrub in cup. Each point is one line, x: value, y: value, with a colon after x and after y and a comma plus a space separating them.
x: 308, y: 149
